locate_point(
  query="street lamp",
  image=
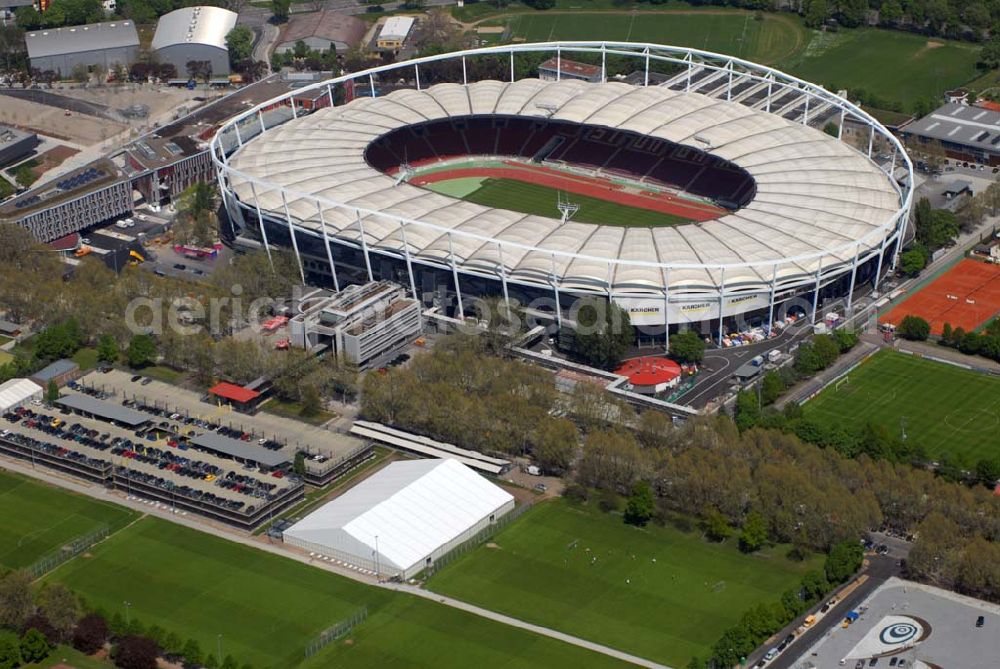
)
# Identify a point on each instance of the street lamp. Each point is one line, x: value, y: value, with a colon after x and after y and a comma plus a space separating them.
x: 378, y: 570
x: 128, y: 606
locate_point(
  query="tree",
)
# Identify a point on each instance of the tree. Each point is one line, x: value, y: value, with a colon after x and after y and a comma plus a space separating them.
x: 771, y: 387
x: 107, y: 349
x: 890, y: 13
x: 814, y: 585
x: 34, y: 647
x: 554, y: 444
x: 912, y: 261
x: 843, y: 561
x: 832, y: 129
x: 604, y: 332
x: 687, y: 346
x: 280, y: 8
x: 239, y: 41
x: 90, y: 634
x: 753, y: 536
x: 211, y: 662
x: 299, y: 465
x: 17, y: 601
x: 10, y: 651
x: 716, y: 526
x: 141, y: 350
x: 136, y: 652
x: 989, y: 55
x: 60, y: 606
x: 311, y: 401
x: 230, y: 663
x: 816, y: 13
x: 747, y: 410
x: 988, y: 471
x: 192, y: 653
x: 641, y: 505
x: 52, y: 391
x: 914, y: 328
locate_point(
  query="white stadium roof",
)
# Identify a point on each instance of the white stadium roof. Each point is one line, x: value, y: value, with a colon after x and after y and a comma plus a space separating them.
x: 814, y: 193
x: 413, y: 507
x: 194, y: 25
x: 16, y: 391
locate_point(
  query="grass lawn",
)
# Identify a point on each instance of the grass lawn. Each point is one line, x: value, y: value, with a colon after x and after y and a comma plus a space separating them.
x: 162, y: 373
x: 531, y: 198
x: 86, y: 358
x: 67, y: 656
x: 293, y: 410
x: 948, y: 409
x: 910, y: 67
x: 267, y: 607
x: 38, y: 519
x: 656, y: 592
x: 725, y: 31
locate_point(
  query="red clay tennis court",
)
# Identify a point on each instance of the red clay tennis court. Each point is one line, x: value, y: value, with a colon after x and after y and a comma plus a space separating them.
x: 966, y: 296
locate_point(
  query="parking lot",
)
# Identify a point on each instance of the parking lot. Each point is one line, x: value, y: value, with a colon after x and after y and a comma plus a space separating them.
x: 287, y: 435
x: 156, y: 456
x: 905, y: 624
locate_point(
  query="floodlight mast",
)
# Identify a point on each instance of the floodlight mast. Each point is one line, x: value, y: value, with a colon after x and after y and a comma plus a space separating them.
x: 566, y: 209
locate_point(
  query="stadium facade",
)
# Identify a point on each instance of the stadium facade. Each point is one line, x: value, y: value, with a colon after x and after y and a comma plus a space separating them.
x: 802, y: 215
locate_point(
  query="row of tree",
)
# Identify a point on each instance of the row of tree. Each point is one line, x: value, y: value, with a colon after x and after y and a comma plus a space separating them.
x: 34, y: 620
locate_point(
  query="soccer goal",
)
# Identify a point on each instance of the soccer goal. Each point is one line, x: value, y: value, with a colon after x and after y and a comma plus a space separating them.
x: 846, y: 381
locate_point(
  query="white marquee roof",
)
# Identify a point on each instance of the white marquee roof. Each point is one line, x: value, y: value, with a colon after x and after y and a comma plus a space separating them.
x: 413, y: 507
x: 16, y: 391
x: 814, y: 193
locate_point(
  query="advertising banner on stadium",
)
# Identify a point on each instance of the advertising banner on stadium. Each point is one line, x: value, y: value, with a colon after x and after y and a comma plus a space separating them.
x: 649, y: 310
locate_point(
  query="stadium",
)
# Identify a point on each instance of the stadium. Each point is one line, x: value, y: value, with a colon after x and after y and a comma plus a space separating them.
x: 708, y: 197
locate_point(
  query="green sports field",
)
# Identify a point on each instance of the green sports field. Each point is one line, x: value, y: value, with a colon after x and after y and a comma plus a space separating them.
x: 946, y: 408
x: 655, y: 592
x: 267, y: 607
x: 894, y: 66
x: 529, y: 198
x: 725, y: 31
x: 37, y: 519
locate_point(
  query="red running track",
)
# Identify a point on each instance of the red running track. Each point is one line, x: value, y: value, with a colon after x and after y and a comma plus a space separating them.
x: 966, y: 296
x: 594, y: 187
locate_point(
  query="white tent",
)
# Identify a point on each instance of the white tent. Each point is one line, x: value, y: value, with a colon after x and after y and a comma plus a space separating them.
x: 398, y: 521
x: 16, y: 392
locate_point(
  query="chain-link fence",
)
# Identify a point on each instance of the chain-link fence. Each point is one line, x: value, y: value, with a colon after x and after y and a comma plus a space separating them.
x: 67, y: 551
x: 338, y: 631
x: 477, y: 539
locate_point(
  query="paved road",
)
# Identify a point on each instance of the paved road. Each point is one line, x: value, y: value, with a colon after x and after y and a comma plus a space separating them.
x: 203, y: 525
x: 879, y: 570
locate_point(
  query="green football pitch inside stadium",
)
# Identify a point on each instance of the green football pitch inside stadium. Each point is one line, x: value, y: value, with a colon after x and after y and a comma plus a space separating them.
x: 529, y: 198
x: 656, y: 592
x: 267, y: 608
x: 944, y: 408
x: 40, y: 519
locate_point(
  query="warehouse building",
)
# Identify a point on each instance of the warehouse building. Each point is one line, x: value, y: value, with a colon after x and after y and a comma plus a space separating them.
x: 397, y: 522
x: 60, y: 372
x: 195, y: 34
x: 967, y: 133
x: 322, y: 31
x: 62, y: 49
x: 18, y: 392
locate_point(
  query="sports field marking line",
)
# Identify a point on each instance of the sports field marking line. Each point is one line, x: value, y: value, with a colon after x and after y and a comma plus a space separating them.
x: 111, y: 533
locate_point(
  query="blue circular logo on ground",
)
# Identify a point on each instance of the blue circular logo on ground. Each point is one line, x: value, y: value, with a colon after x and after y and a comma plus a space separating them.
x: 899, y: 633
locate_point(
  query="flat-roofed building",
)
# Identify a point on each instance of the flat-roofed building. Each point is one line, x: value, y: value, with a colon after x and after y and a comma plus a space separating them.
x: 15, y: 144
x: 965, y: 132
x: 361, y: 322
x: 563, y: 68
x: 61, y: 50
x: 394, y: 32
